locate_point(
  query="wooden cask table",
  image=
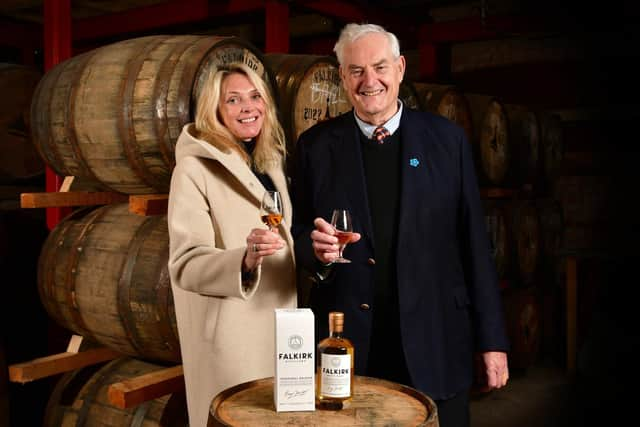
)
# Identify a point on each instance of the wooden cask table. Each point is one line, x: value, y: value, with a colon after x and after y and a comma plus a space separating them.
x: 375, y: 403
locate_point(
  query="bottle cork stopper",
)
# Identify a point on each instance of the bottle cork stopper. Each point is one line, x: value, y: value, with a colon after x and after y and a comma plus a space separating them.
x: 336, y: 321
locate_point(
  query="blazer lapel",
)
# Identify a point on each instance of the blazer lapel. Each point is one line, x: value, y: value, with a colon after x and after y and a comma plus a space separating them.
x: 416, y: 178
x: 346, y: 155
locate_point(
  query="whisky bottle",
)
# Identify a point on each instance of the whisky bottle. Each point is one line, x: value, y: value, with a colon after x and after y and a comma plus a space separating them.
x: 335, y: 367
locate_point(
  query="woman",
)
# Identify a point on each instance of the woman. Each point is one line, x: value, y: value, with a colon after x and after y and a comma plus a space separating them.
x: 228, y: 271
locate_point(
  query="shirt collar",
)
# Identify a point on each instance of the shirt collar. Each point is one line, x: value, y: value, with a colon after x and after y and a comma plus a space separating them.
x: 392, y: 124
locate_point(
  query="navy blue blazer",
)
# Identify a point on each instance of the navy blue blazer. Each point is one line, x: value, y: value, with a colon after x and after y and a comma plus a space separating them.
x: 450, y: 305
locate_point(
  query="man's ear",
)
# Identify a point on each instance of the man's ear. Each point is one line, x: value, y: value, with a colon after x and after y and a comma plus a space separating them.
x: 402, y: 64
x: 341, y: 72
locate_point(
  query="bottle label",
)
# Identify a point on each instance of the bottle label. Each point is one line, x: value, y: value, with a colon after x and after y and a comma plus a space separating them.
x: 336, y: 375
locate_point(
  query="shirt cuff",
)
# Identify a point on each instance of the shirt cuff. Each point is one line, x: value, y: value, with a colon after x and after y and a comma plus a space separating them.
x: 323, y: 271
x: 248, y: 279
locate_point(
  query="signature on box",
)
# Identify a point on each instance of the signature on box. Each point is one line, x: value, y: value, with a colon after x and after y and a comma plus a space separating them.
x: 290, y: 394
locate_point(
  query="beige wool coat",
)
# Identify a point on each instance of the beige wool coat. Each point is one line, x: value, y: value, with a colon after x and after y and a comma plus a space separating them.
x: 226, y: 330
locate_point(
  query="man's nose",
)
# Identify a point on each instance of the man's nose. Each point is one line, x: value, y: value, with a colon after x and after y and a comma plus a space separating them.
x: 369, y: 76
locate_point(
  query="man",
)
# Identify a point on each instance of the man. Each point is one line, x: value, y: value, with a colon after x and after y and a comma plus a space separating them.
x: 420, y: 296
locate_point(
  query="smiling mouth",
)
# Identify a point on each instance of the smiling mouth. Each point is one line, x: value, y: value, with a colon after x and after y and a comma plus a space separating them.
x: 249, y: 120
x: 371, y: 92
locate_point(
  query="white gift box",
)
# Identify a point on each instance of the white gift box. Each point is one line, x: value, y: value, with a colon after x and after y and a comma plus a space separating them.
x: 294, y: 381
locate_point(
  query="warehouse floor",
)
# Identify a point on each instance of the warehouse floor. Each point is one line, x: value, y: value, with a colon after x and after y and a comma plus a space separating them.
x: 541, y: 396
x: 602, y: 393
x: 604, y: 390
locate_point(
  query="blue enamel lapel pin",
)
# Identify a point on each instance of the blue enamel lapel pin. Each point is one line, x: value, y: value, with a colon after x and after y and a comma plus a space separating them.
x: 413, y: 162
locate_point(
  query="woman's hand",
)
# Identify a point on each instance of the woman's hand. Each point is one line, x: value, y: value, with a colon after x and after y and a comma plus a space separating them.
x: 260, y: 243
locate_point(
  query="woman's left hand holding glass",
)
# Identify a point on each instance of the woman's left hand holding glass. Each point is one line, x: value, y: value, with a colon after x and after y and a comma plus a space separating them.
x: 261, y: 243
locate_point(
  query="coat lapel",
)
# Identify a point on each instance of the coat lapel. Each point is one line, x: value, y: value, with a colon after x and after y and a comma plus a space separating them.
x: 245, y: 175
x: 238, y: 168
x: 280, y: 181
x: 416, y: 178
x: 348, y: 168
x: 252, y: 184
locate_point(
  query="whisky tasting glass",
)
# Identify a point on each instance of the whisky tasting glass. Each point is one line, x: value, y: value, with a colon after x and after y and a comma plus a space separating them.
x: 271, y: 209
x: 341, y: 222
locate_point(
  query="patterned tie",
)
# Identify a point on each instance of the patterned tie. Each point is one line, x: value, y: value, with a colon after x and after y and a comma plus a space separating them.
x: 379, y: 134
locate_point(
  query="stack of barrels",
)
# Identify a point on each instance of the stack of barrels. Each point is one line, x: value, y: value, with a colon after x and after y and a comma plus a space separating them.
x: 518, y: 152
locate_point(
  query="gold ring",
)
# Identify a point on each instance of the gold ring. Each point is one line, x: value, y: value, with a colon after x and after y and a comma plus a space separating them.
x: 255, y: 247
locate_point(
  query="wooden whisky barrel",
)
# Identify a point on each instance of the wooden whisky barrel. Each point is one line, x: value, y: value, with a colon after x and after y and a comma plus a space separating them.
x: 491, y: 142
x: 309, y: 91
x: 112, y: 115
x: 447, y: 101
x: 20, y: 159
x: 524, y: 139
x: 524, y: 326
x: 80, y: 398
x: 525, y: 226
x: 375, y: 403
x: 499, y: 235
x: 409, y: 95
x: 551, y: 232
x: 552, y: 147
x: 104, y: 276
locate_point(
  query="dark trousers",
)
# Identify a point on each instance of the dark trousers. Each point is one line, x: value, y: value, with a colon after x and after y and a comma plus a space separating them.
x: 454, y: 412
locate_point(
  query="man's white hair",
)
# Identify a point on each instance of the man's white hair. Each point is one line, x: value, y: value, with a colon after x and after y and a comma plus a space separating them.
x: 352, y: 32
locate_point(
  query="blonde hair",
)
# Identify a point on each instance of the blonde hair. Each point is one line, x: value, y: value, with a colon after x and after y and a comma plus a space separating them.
x: 352, y: 32
x: 270, y: 142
